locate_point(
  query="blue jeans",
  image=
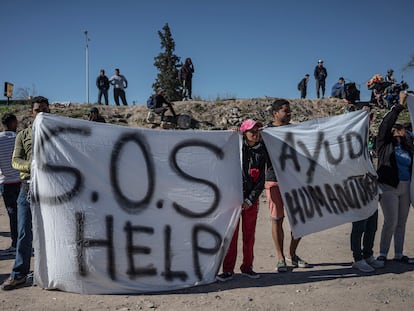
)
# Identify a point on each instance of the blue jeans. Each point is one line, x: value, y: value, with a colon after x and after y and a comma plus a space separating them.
x: 364, y: 230
x: 105, y: 94
x: 21, y: 266
x: 10, y: 192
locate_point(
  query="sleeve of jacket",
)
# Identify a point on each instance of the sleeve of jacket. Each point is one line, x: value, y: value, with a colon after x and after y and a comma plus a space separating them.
x: 19, y: 161
x: 254, y: 194
x: 384, y: 135
x: 257, y: 189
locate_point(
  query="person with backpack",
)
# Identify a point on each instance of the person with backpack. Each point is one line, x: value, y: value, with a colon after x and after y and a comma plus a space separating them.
x: 320, y: 73
x: 156, y: 103
x: 303, y: 85
x: 186, y: 77
x: 102, y: 83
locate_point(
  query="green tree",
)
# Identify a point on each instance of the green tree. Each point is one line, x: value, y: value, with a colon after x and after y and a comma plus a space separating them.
x: 168, y: 65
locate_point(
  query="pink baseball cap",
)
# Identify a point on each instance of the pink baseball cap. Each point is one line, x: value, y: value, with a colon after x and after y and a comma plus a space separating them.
x: 249, y: 124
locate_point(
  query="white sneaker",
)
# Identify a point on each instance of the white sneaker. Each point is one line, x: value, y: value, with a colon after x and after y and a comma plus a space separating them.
x: 375, y: 263
x: 362, y: 266
x: 150, y: 117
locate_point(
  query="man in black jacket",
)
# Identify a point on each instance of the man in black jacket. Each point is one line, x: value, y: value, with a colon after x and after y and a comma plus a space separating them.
x: 320, y: 73
x: 159, y: 107
x: 102, y: 83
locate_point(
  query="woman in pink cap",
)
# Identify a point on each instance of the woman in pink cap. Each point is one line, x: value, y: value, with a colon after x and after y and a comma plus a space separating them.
x: 254, y: 158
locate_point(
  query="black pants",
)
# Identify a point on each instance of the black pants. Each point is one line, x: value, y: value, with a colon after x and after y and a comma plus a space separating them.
x: 120, y: 93
x: 161, y: 111
x: 320, y: 84
x: 10, y: 193
x: 187, y: 88
x: 303, y: 93
x: 363, y: 232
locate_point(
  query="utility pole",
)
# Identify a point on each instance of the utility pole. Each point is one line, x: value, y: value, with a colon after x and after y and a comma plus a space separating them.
x: 87, y: 66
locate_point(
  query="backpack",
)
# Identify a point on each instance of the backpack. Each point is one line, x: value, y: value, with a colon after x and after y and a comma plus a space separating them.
x: 151, y: 102
x: 300, y: 85
x: 352, y: 94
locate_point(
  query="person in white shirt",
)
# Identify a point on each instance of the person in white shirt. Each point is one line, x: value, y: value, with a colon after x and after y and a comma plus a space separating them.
x: 9, y: 177
x: 120, y: 83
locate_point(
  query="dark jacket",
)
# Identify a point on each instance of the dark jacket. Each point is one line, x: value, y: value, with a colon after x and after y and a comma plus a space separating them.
x: 187, y: 71
x: 302, y: 84
x: 160, y: 101
x: 320, y: 73
x: 254, y: 160
x: 102, y: 82
x: 387, y: 165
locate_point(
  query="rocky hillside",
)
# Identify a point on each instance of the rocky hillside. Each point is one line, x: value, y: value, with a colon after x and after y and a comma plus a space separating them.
x: 220, y: 114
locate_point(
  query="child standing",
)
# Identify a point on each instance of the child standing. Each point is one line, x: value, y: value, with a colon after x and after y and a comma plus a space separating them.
x: 254, y: 159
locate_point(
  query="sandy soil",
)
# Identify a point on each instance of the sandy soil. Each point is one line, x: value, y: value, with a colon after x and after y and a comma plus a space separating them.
x: 331, y: 284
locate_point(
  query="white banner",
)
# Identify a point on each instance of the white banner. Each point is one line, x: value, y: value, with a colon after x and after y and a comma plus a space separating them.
x: 325, y: 174
x: 128, y: 210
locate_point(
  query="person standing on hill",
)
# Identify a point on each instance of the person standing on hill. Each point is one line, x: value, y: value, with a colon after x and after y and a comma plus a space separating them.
x: 9, y: 177
x: 389, y: 77
x: 186, y: 76
x: 120, y: 83
x: 102, y: 83
x: 303, y: 86
x: 320, y: 73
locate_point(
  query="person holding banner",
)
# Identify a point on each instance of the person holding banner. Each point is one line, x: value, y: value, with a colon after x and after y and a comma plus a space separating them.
x: 395, y: 159
x: 363, y: 233
x: 254, y: 160
x: 281, y: 116
x: 21, y: 161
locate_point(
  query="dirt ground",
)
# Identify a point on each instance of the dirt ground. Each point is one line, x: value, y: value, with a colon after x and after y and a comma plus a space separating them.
x: 331, y: 284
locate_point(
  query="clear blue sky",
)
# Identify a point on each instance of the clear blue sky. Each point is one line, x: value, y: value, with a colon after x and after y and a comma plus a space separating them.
x: 240, y: 48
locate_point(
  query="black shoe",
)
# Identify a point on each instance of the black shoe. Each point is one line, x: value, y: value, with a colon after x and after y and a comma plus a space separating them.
x: 405, y: 259
x: 251, y: 274
x: 11, y: 284
x: 225, y: 276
